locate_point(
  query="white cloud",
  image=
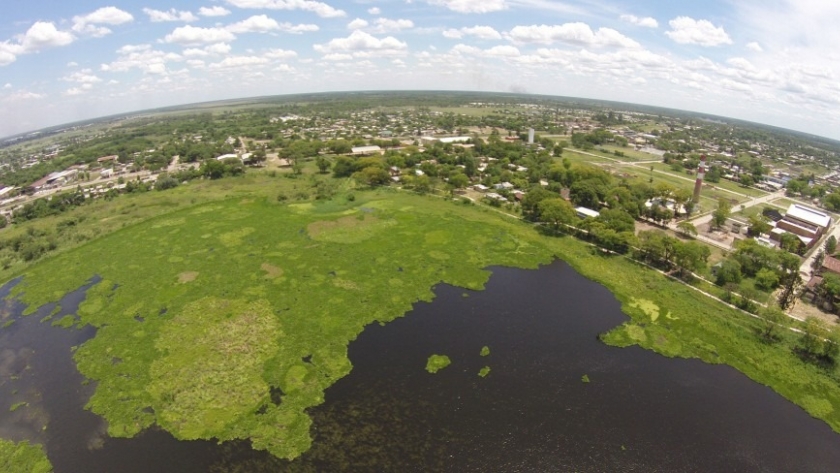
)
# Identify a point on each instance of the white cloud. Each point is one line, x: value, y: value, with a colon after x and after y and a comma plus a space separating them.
x: 7, y: 86
x: 157, y: 16
x: 385, y: 25
x: 574, y: 33
x: 217, y: 49
x: 452, y: 33
x: 374, y: 11
x: 471, y: 6
x: 87, y: 24
x: 357, y: 24
x: 254, y: 24
x: 84, y: 76
x: 280, y: 54
x: 72, y: 64
x: 142, y: 57
x: 213, y: 11
x: 264, y: 24
x: 22, y: 95
x: 239, y: 61
x: 319, y: 8
x: 298, y: 29
x: 40, y: 35
x: 480, y: 32
x: 686, y: 30
x: 6, y: 57
x: 338, y: 57
x: 193, y: 35
x: 754, y: 46
x: 361, y: 44
x: 646, y: 22
x: 74, y: 91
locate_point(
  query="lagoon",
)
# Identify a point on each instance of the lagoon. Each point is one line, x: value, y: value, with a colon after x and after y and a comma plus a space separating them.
x: 534, y: 411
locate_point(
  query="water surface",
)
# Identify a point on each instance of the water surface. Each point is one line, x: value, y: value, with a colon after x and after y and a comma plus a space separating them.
x: 532, y: 413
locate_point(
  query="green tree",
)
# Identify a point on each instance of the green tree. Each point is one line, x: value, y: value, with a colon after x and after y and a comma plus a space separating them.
x: 790, y: 243
x: 690, y: 256
x: 721, y: 213
x: 729, y: 272
x: 766, y: 279
x: 758, y: 225
x: 557, y: 212
x: 830, y: 245
x: 323, y: 164
x: 687, y: 228
x: 831, y: 201
x: 531, y: 202
x: 343, y: 167
x: 829, y: 288
x: 459, y: 180
x: 773, y: 321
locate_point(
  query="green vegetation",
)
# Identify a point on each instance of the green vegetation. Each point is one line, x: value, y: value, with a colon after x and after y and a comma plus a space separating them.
x: 235, y: 280
x: 584, y: 378
x: 483, y: 372
x: 23, y: 458
x: 485, y: 351
x: 17, y: 406
x: 436, y: 363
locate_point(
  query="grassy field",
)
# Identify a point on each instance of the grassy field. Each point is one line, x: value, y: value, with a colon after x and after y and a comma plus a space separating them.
x: 223, y: 313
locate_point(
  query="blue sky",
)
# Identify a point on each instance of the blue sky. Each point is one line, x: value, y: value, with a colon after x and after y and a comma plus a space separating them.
x: 772, y: 61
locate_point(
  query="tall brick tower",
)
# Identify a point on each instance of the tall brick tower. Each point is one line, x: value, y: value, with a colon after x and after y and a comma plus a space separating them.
x: 698, y: 184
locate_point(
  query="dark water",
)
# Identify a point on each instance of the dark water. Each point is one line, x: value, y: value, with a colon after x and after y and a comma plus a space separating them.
x: 640, y: 412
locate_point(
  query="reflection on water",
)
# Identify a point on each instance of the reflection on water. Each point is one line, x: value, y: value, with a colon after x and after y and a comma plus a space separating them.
x: 639, y: 412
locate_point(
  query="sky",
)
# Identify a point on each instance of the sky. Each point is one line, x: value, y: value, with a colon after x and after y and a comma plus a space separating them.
x: 768, y: 61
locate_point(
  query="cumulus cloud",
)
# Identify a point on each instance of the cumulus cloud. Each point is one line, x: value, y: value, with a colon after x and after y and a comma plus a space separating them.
x: 480, y: 32
x: 264, y: 24
x: 754, y: 46
x: 7, y: 86
x: 90, y: 23
x: 385, y: 25
x: 574, y: 33
x: 84, y: 76
x: 157, y: 16
x: 213, y: 11
x: 42, y: 35
x: 357, y: 24
x: 471, y: 6
x: 192, y: 35
x: 362, y: 44
x: 142, y: 57
x: 319, y: 8
x: 238, y: 62
x: 646, y: 22
x: 280, y: 54
x: 374, y: 10
x: 217, y: 49
x: 254, y: 24
x: 686, y: 30
x: 22, y: 95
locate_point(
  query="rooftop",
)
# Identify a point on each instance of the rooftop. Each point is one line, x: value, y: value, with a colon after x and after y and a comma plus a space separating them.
x: 808, y: 215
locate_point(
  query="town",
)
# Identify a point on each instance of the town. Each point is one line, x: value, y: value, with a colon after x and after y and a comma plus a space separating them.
x: 756, y: 186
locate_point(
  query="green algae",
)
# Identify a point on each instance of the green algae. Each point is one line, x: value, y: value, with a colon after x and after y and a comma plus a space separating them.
x: 177, y: 336
x: 436, y: 363
x: 485, y: 351
x: 483, y: 372
x: 23, y: 458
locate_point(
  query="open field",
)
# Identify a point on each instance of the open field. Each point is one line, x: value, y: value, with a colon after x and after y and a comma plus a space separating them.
x: 217, y: 291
